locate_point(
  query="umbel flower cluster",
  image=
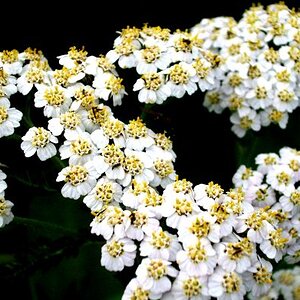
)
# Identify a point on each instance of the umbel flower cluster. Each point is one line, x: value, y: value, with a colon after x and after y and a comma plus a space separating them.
x: 259, y: 68
x: 184, y: 241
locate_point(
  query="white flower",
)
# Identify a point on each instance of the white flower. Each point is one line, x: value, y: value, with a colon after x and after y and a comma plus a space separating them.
x: 3, y: 184
x: 291, y: 203
x: 206, y: 195
x: 275, y: 246
x: 188, y: 287
x: 99, y: 65
x: 11, y: 61
x: 260, y: 195
x: 109, y: 162
x: 138, y: 135
x: 198, y: 258
x: 256, y: 223
x: 285, y: 99
x: 40, y: 141
x: 108, y: 85
x: 136, y: 290
x: 137, y: 165
x: 152, y: 88
x: 110, y: 221
x: 151, y: 58
x: 117, y: 254
x: 141, y: 221
x: 79, y: 149
x: 6, y: 215
x: 31, y: 76
x: 55, y: 99
x: 258, y: 278
x: 273, y: 115
x: 153, y: 275
x: 293, y: 254
x: 106, y: 192
x: 225, y: 285
x: 177, y: 209
x: 69, y: 122
x: 235, y: 256
x: 164, y: 172
x: 79, y: 180
x: 202, y: 225
x: 111, y: 129
x: 123, y: 52
x: 246, y: 177
x: 73, y: 57
x: 181, y: 79
x: 242, y: 124
x: 9, y: 118
x: 159, y: 243
x: 266, y: 161
x: 280, y: 177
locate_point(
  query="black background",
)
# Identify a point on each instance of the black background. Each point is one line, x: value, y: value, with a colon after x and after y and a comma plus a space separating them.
x: 207, y: 149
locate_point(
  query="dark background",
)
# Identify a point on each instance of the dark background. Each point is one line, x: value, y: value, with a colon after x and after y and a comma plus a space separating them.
x: 48, y: 251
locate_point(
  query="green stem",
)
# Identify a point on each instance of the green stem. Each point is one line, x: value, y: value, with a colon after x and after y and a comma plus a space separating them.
x: 58, y: 162
x: 33, y: 185
x: 42, y: 224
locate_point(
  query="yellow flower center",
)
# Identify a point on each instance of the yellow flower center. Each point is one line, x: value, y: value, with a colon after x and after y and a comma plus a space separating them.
x: 138, y: 219
x: 3, y: 77
x: 191, y: 287
x: 41, y: 138
x: 153, y: 199
x: 9, y: 57
x: 113, y: 128
x: 295, y: 198
x: 277, y: 240
x: 262, y: 276
x: 213, y: 190
x: 151, y: 54
x: 114, y: 84
x: 163, y: 168
x: 245, y: 122
x: 178, y: 75
x: 62, y: 76
x: 200, y: 227
x: 183, y: 44
x: 254, y: 72
x: 235, y: 80
x: 86, y: 96
x: 113, y: 155
x: 76, y: 175
x: 261, y: 92
x: 81, y: 147
x: 286, y: 96
x: 283, y: 178
x: 54, y: 96
x: 156, y: 269
x: 183, y: 207
x: 231, y: 283
x: 34, y: 75
x: 77, y: 55
x: 3, y: 114
x: 136, y: 128
x: 98, y: 115
x: 140, y: 294
x: 115, y: 248
x: 271, y: 55
x: 220, y: 212
x: 182, y: 186
x: 104, y: 193
x: 275, y: 116
x: 104, y: 64
x: 234, y: 49
x: 152, y: 81
x: 133, y: 165
x: 160, y: 240
x: 70, y: 120
x: 163, y: 141
x: 213, y: 97
x: 202, y: 70
x: 197, y: 253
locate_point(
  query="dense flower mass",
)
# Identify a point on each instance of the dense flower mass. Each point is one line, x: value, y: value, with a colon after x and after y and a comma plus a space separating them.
x: 184, y: 241
x: 259, y: 68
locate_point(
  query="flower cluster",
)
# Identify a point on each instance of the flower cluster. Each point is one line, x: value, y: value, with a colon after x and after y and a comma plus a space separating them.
x: 183, y: 241
x: 6, y: 215
x: 259, y: 68
x: 273, y: 191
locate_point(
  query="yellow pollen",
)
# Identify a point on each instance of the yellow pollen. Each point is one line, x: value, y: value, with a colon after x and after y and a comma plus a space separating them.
x: 70, y: 120
x: 77, y: 55
x: 160, y: 240
x: 76, y: 175
x: 254, y: 72
x: 140, y: 294
x: 163, y: 168
x: 152, y: 81
x: 286, y: 96
x: 151, y: 54
x: 113, y: 155
x: 283, y: 178
x: 245, y: 122
x: 41, y: 138
x: 191, y: 287
x: 271, y: 55
x: 104, y: 193
x: 213, y: 97
x: 115, y: 248
x: 133, y: 165
x: 200, y: 228
x: 197, y: 253
x: 86, y: 96
x: 98, y: 114
x: 275, y: 116
x: 183, y: 207
x: 9, y: 57
x: 3, y: 114
x: 54, y: 96
x: 261, y: 92
x: 114, y: 84
x: 104, y: 64
x: 262, y: 276
x: 231, y: 283
x: 213, y: 190
x: 202, y: 70
x: 156, y: 269
x: 138, y: 219
x: 34, y: 75
x: 113, y: 128
x: 277, y: 240
x: 136, y: 128
x: 178, y: 75
x: 163, y: 141
x: 81, y: 147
